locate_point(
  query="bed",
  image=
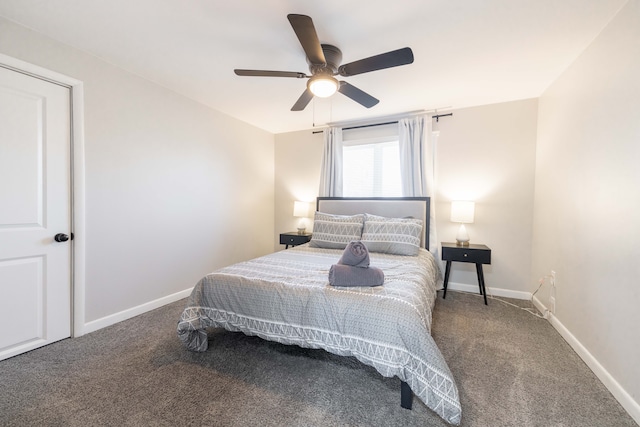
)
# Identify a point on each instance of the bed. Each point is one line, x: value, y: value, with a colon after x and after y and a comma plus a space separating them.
x: 286, y: 297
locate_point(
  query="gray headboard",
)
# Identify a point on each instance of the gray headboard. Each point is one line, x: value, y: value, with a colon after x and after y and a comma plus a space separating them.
x: 391, y: 207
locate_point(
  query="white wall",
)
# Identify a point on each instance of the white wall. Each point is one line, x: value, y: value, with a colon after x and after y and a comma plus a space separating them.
x: 298, y: 157
x: 173, y: 188
x: 486, y: 154
x: 587, y: 201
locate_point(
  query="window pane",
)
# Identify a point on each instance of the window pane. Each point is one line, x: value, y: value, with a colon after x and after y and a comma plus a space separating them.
x: 391, y: 179
x: 358, y: 173
x: 372, y: 170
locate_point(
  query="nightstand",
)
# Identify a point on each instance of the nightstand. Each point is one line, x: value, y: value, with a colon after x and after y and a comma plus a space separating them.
x: 477, y: 254
x: 294, y: 238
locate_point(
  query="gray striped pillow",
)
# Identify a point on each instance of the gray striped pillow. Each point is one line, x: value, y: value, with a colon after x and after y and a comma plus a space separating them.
x: 397, y: 236
x: 335, y: 231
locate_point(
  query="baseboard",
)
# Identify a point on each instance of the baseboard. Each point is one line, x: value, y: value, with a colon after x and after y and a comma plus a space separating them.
x: 539, y: 305
x: 620, y: 394
x: 134, y: 311
x: 496, y: 292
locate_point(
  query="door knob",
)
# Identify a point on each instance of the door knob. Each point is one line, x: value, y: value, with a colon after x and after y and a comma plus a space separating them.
x: 61, y: 237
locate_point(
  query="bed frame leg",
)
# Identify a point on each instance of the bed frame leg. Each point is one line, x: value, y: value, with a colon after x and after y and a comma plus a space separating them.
x: 406, y: 396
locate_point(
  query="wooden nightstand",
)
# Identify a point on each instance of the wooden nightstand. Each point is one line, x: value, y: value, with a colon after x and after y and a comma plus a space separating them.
x: 477, y: 254
x: 294, y: 238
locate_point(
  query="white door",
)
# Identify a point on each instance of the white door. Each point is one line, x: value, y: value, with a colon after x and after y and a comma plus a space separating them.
x: 35, y: 270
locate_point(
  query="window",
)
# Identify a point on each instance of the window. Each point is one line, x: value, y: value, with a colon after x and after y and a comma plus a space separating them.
x: 371, y: 162
x: 372, y: 170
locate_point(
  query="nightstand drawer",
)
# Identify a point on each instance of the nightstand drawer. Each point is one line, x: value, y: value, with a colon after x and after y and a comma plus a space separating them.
x: 477, y: 254
x: 294, y: 239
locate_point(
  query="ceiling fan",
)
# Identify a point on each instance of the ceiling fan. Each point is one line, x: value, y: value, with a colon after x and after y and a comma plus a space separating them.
x: 324, y: 63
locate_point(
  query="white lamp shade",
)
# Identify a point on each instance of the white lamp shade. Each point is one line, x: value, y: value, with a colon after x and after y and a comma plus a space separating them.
x: 300, y: 209
x: 323, y: 86
x: 462, y: 211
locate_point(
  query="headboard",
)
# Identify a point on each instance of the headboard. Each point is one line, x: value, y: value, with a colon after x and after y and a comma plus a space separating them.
x: 391, y: 207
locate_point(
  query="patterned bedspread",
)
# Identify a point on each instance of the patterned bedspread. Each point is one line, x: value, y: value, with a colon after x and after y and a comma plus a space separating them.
x: 286, y: 297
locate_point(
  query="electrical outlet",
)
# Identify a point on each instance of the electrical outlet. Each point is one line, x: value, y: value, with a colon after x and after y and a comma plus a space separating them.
x: 553, y: 278
x: 552, y: 305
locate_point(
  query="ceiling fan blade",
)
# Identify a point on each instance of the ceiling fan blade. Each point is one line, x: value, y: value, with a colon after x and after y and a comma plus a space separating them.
x: 394, y: 58
x: 306, y: 32
x: 303, y: 101
x: 361, y: 97
x: 264, y: 73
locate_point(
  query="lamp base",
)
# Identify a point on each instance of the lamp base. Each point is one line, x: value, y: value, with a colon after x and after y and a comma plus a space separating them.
x: 302, y: 226
x: 462, y: 238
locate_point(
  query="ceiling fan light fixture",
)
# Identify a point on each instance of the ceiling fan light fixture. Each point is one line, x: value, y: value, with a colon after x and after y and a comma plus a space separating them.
x: 322, y: 86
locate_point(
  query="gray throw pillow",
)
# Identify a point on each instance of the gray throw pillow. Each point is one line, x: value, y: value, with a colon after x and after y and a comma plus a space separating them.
x: 335, y: 231
x: 396, y: 236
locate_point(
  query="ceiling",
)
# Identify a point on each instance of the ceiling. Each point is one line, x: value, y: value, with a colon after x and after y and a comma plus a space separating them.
x: 467, y: 52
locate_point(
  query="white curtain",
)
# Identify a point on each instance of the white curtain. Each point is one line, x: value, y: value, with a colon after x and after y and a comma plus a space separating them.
x: 417, y: 167
x: 331, y: 172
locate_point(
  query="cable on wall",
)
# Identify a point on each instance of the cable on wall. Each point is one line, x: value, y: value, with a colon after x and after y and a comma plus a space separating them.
x: 529, y: 310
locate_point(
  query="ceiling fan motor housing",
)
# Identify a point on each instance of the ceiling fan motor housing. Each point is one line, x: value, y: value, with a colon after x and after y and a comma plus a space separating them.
x: 333, y: 56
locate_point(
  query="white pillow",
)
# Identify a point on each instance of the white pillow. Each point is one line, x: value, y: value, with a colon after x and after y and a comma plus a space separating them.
x: 397, y: 236
x: 335, y: 231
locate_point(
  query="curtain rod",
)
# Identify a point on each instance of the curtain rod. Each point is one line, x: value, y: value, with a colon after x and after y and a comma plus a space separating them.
x: 437, y: 117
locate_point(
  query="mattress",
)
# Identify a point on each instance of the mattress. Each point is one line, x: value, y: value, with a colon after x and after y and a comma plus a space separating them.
x: 286, y: 297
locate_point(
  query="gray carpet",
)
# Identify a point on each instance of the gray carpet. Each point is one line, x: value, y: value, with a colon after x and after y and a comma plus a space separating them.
x: 512, y: 369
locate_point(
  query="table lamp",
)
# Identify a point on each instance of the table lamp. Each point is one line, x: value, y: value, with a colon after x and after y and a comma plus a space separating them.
x: 301, y: 210
x: 462, y: 212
